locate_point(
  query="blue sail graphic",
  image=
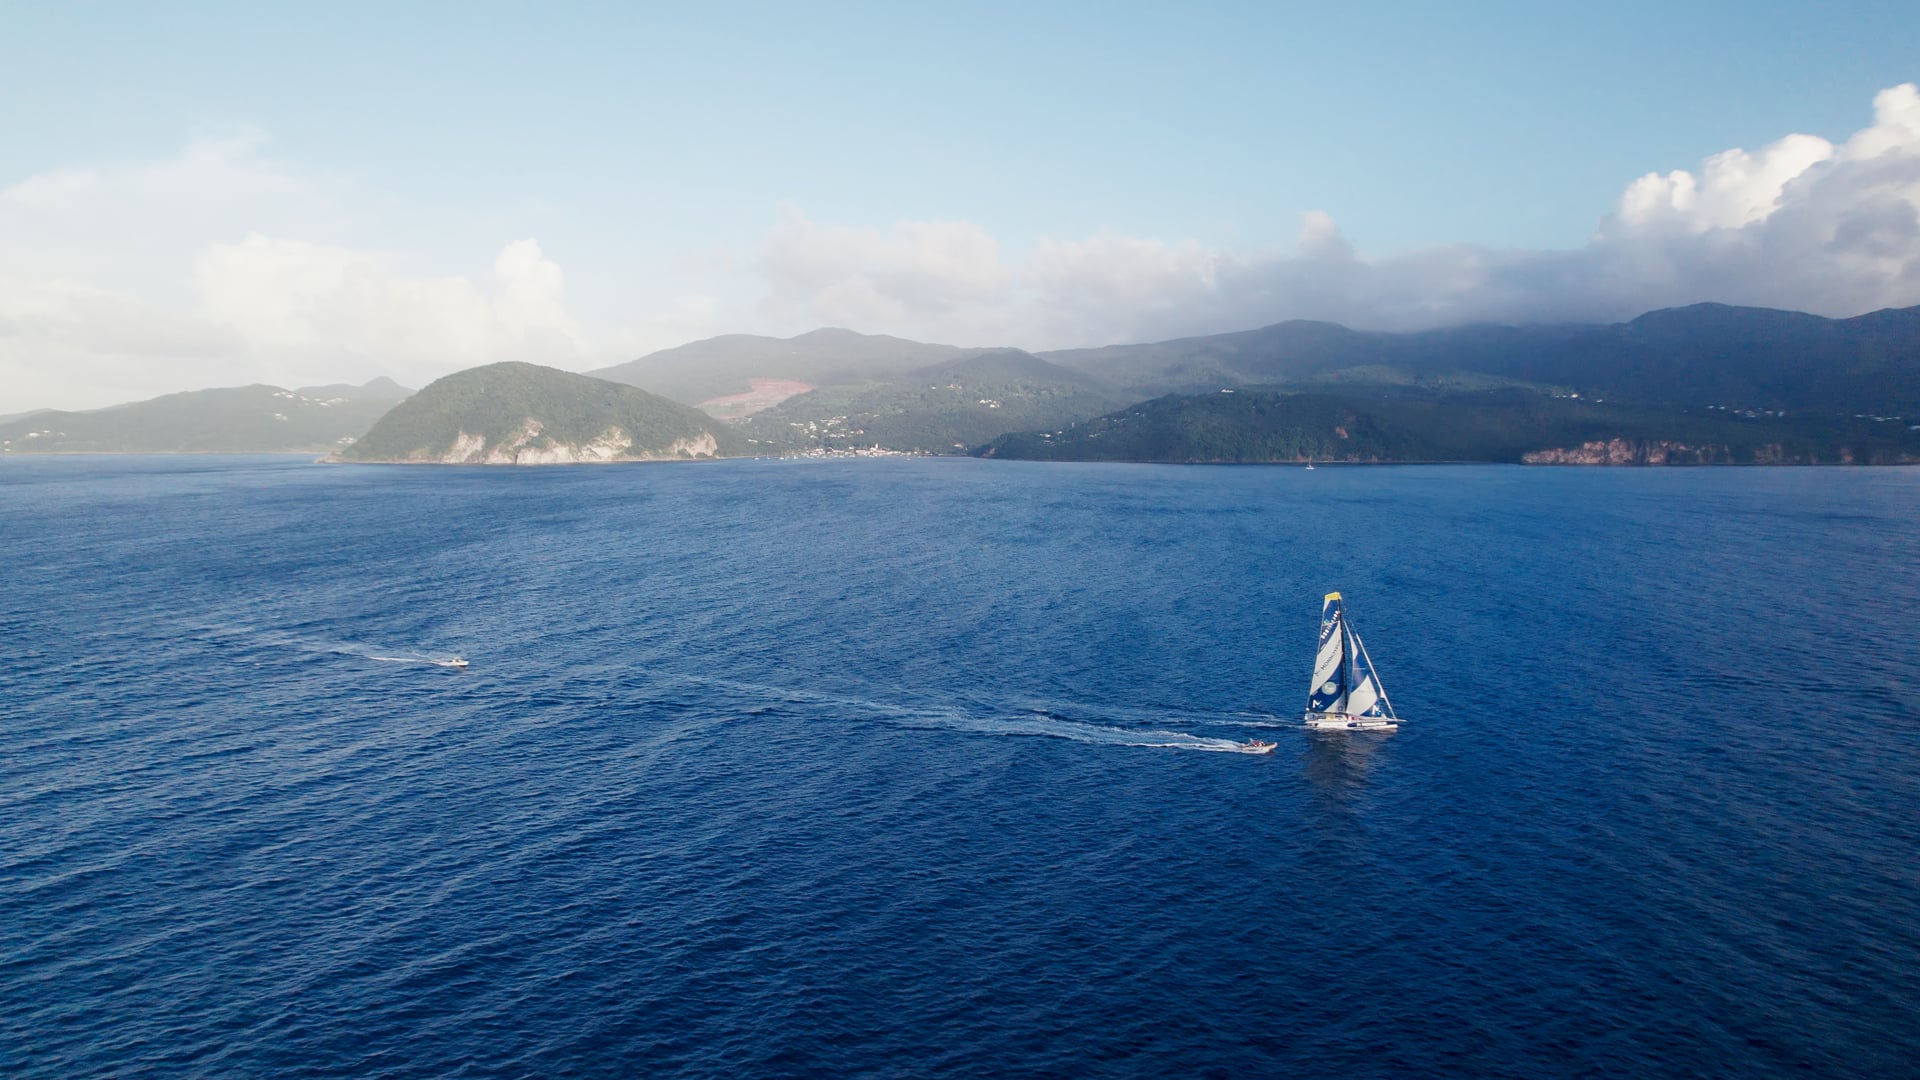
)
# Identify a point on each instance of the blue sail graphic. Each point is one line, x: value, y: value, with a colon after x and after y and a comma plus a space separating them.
x: 1330, y: 662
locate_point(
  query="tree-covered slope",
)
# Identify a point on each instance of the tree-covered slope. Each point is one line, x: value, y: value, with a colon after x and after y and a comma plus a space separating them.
x: 1692, y: 357
x: 942, y: 408
x: 1271, y: 354
x: 516, y: 413
x: 716, y: 367
x: 1504, y: 425
x: 241, y: 419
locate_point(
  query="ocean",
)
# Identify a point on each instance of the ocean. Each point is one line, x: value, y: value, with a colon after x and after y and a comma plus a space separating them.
x: 929, y: 768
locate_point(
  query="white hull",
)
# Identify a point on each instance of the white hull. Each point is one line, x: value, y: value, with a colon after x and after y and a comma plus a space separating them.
x: 1343, y: 722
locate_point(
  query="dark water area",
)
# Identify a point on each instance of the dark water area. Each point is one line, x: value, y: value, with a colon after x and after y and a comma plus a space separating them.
x: 926, y: 768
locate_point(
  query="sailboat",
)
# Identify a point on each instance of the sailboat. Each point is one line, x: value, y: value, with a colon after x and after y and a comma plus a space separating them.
x: 1346, y: 694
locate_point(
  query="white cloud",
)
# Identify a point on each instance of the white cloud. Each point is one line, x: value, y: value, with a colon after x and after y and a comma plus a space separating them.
x: 128, y: 227
x: 85, y: 319
x: 1735, y: 188
x: 917, y: 271
x: 1112, y: 284
x: 532, y: 295
x: 1321, y: 238
x: 317, y: 308
x: 68, y: 344
x: 212, y: 268
x: 1801, y: 223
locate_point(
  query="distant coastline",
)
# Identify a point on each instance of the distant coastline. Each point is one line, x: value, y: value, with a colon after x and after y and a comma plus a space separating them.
x: 1701, y: 385
x: 849, y: 455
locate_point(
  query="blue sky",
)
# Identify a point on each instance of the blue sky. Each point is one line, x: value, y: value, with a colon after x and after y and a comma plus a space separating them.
x: 954, y: 175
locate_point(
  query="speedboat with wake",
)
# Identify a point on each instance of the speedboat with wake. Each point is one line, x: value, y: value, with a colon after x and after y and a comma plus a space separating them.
x: 452, y: 662
x: 1346, y: 694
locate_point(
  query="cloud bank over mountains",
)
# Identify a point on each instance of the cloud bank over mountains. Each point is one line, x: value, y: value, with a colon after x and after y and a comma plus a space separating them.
x: 221, y: 266
x: 1800, y: 223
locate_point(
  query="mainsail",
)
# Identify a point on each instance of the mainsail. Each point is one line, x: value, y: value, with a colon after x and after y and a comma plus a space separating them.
x: 1330, y: 666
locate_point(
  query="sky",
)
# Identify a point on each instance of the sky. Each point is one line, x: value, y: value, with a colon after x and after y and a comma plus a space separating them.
x: 200, y: 195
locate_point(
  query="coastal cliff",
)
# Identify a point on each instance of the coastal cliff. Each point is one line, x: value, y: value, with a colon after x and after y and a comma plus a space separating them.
x: 1672, y: 452
x: 1637, y: 452
x: 528, y: 447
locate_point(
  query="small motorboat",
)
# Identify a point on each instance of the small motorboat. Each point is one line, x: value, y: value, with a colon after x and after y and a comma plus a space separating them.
x: 1255, y: 746
x: 455, y: 662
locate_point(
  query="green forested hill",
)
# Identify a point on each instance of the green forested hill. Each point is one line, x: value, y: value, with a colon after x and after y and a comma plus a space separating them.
x: 943, y: 408
x: 1503, y: 425
x: 234, y: 420
x: 524, y: 413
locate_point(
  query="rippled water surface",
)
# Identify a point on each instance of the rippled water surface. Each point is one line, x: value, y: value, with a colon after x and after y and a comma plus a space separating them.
x: 925, y: 768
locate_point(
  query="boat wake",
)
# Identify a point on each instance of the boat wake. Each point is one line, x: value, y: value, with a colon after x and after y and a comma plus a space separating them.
x: 249, y: 638
x: 1049, y: 725
x: 1108, y: 728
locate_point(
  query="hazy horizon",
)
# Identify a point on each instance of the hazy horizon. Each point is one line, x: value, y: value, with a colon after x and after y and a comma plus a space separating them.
x: 290, y: 198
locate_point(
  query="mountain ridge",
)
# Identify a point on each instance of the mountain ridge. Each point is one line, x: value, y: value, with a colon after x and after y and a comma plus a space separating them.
x: 1696, y: 355
x: 259, y: 418
x: 725, y: 365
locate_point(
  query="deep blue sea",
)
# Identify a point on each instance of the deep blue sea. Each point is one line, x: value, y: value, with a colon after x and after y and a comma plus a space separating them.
x: 905, y: 768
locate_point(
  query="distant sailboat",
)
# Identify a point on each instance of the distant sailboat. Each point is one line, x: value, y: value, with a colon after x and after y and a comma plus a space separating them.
x: 1309, y: 463
x: 1346, y: 694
